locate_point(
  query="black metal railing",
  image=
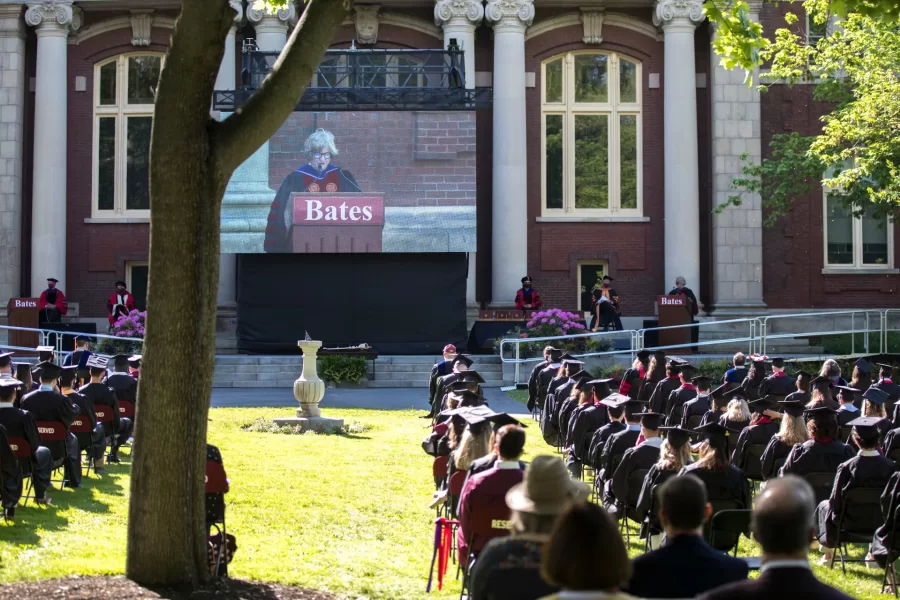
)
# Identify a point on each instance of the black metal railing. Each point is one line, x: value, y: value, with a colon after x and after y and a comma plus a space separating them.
x: 370, y: 80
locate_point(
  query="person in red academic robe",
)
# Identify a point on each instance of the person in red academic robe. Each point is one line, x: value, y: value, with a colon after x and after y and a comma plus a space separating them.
x: 527, y: 298
x: 317, y: 175
x: 119, y: 304
x: 52, y: 304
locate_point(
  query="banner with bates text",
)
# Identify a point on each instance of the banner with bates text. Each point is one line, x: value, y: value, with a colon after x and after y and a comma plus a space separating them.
x: 357, y: 182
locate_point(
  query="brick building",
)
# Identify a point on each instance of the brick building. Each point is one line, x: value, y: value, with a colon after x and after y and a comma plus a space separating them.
x: 613, y: 134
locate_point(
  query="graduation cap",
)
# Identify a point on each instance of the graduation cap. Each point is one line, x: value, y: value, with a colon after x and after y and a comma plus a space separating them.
x: 601, y: 386
x: 67, y: 375
x: 819, y: 411
x: 651, y: 420
x: 805, y: 376
x: 702, y: 380
x: 95, y: 361
x: 677, y: 436
x: 720, y: 391
x: 863, y: 365
x: 45, y: 352
x: 886, y: 369
x: 793, y: 408
x: 501, y: 419
x: 81, y: 338
x: 737, y: 392
x: 555, y: 355
x: 5, y: 358
x: 644, y: 356
x: 48, y: 370
x: 758, y: 358
x: 460, y: 386
x: 53, y: 279
x: 582, y: 379
x: 687, y: 370
x: 714, y: 433
x: 847, y: 392
x: 778, y: 362
x: 475, y: 421
x: 122, y: 283
x: 762, y: 404
x: 821, y: 382
x: 135, y: 361
x: 616, y: 400
x: 674, y: 363
x: 120, y: 360
x: 8, y: 386
x: 526, y: 278
x: 565, y: 356
x: 659, y: 355
x: 468, y: 399
x: 470, y: 376
x: 876, y: 396
x: 462, y: 358
x: 865, y: 426
x: 607, y: 278
x: 572, y: 361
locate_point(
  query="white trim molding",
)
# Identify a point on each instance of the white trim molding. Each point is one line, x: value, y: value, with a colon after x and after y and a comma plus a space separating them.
x: 610, y: 19
x: 404, y: 21
x: 115, y: 23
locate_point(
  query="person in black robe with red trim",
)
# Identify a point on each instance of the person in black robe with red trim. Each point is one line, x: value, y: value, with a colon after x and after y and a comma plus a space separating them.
x: 317, y: 175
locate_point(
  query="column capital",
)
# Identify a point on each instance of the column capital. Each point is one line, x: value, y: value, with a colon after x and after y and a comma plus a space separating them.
x: 678, y: 13
x: 283, y: 17
x: 53, y: 16
x: 446, y: 11
x: 510, y: 15
x: 238, y: 7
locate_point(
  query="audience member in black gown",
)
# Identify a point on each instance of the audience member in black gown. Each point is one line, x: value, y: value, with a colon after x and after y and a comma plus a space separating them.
x: 763, y: 425
x: 656, y: 372
x: 754, y: 377
x: 686, y: 566
x: 868, y: 469
x: 886, y: 384
x: 10, y: 477
x: 823, y: 453
x: 674, y: 455
x: 737, y: 415
x: 861, y: 378
x: 718, y: 409
x: 685, y: 392
x: 782, y: 524
x: 886, y: 549
x: 666, y: 386
x: 586, y: 420
x: 832, y: 370
x: 697, y: 407
x: 633, y: 378
x: 618, y: 443
x: 616, y: 414
x: 778, y: 383
x: 847, y: 409
x: 803, y: 382
x: 576, y: 395
x: 624, y: 491
x: 792, y: 431
x: 509, y: 567
x: 874, y: 400
x: 533, y: 400
x: 726, y: 485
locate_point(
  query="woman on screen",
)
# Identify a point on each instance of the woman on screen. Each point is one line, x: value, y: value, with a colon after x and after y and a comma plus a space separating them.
x: 318, y: 175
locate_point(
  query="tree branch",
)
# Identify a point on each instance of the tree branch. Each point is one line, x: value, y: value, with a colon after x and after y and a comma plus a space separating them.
x: 241, y: 134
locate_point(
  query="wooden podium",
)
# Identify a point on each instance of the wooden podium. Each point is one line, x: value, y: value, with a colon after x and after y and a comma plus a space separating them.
x: 675, y: 310
x: 23, y: 312
x: 322, y: 222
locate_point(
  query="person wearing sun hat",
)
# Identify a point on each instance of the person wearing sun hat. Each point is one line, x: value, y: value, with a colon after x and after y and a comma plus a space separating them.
x: 509, y: 567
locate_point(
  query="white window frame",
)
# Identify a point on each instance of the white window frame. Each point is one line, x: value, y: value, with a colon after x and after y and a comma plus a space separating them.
x: 857, y: 233
x: 613, y: 109
x: 121, y: 110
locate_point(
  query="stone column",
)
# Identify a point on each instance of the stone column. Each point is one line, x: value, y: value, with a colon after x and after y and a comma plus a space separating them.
x: 248, y: 196
x: 52, y: 18
x: 737, y: 242
x: 679, y: 19
x: 226, y: 300
x: 12, y: 101
x: 459, y: 18
x: 509, y: 243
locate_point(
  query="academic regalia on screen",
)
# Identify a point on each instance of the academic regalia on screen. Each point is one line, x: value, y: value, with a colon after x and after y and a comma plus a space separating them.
x: 545, y: 379
x: 774, y: 457
x: 633, y: 379
x: 332, y: 179
x: 734, y: 427
x: 736, y: 375
x: 846, y: 413
x: 661, y: 394
x: 886, y: 384
x: 582, y: 427
x: 713, y: 415
x: 529, y: 296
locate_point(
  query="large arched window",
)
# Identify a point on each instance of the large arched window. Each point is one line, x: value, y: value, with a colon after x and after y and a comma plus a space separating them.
x: 591, y: 136
x: 124, y: 94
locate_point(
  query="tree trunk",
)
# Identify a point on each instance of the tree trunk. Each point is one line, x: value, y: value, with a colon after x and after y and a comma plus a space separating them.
x: 191, y: 159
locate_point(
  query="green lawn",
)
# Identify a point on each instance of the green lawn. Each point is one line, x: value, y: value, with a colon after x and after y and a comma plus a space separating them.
x: 347, y: 514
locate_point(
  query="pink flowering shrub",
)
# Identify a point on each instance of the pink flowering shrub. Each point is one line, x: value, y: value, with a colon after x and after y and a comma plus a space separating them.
x: 552, y: 322
x: 128, y: 326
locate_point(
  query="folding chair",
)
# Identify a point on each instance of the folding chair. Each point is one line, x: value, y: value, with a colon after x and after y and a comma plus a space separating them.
x: 22, y: 450
x: 731, y: 523
x: 127, y: 410
x: 487, y: 523
x: 53, y: 436
x: 890, y: 571
x: 866, y: 506
x: 845, y: 433
x: 635, y: 483
x: 895, y: 455
x: 104, y: 416
x: 217, y: 484
x: 721, y: 542
x: 694, y: 422
x: 650, y: 519
x: 454, y: 491
x: 439, y: 471
x: 81, y: 427
x: 753, y: 462
x: 822, y: 484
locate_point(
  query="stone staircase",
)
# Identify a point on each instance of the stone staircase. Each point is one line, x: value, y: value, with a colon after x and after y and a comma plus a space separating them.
x: 248, y: 371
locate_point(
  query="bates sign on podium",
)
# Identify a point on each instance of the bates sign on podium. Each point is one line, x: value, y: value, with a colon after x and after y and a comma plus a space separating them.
x: 336, y: 223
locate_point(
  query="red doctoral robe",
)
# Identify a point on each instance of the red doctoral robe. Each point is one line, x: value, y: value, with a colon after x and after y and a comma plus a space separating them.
x: 61, y: 303
x: 484, y: 495
x: 126, y: 300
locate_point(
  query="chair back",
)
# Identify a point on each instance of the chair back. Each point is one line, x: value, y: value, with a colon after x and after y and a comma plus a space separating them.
x: 753, y: 462
x: 20, y: 447
x: 439, y: 468
x: 490, y: 521
x: 104, y: 413
x: 729, y: 523
x: 216, y: 482
x: 635, y: 483
x: 776, y: 472
x: 694, y: 422
x: 51, y: 431
x: 81, y: 424
x: 845, y: 433
x: 616, y: 460
x: 723, y: 540
x: 822, y: 484
x: 454, y: 486
x: 126, y: 409
x: 895, y: 455
x: 861, y: 511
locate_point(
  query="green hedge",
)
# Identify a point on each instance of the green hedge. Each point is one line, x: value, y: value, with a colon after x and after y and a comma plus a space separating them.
x: 343, y: 369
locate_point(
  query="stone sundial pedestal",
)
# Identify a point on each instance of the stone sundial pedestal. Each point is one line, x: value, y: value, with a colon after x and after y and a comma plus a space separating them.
x: 309, y: 390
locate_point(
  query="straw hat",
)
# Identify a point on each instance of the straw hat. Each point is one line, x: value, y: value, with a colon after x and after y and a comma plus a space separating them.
x: 547, y: 490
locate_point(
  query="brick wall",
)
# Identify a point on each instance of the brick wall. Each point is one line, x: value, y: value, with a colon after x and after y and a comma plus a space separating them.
x: 414, y: 158
x: 96, y: 253
x: 634, y: 250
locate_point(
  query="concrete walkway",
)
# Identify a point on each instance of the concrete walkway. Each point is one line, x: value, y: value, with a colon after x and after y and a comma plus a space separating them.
x: 377, y: 398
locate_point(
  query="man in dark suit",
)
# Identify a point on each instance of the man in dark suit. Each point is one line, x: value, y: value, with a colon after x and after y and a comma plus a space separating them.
x: 783, y: 525
x: 686, y: 566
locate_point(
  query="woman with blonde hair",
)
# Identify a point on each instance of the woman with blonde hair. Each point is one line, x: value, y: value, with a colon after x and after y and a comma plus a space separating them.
x: 873, y: 406
x: 791, y: 432
x: 737, y: 415
x: 674, y: 455
x: 474, y: 444
x: 832, y: 370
